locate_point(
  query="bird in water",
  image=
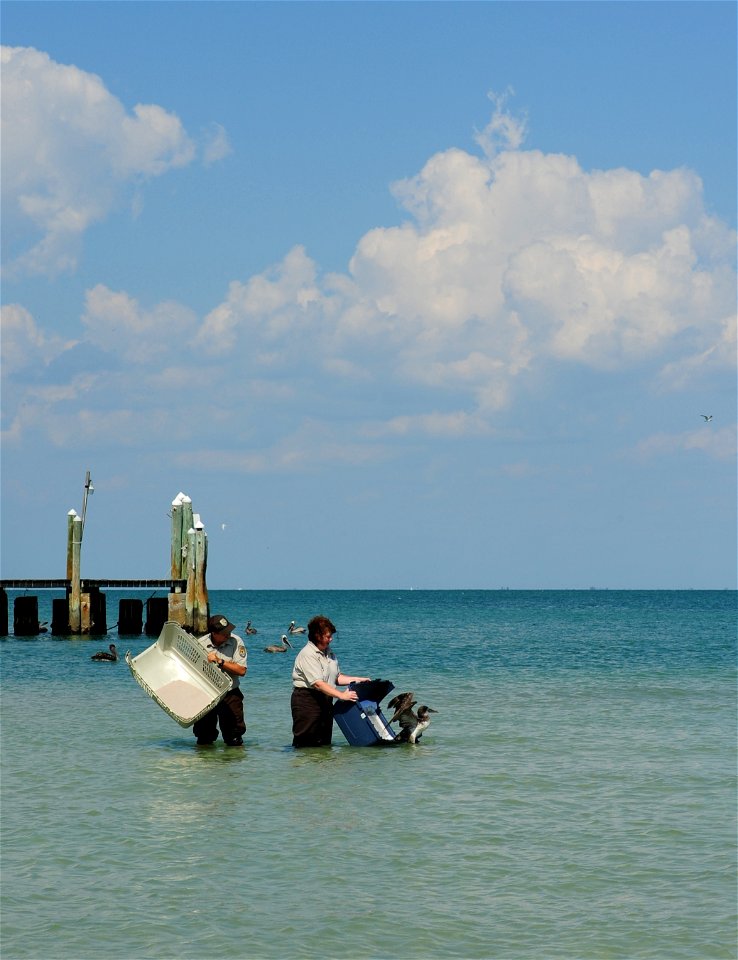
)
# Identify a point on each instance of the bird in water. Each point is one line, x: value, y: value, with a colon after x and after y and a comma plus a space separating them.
x: 412, y: 724
x: 250, y: 630
x: 277, y: 648
x: 707, y: 417
x: 104, y: 655
x: 293, y: 629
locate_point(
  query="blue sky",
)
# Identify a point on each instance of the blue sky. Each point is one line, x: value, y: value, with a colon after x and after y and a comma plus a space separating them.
x: 400, y: 294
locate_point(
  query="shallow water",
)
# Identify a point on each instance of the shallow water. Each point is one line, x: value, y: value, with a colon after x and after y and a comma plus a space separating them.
x: 574, y: 797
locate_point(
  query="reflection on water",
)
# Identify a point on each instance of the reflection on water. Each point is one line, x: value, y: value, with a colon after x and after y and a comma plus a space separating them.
x: 575, y: 796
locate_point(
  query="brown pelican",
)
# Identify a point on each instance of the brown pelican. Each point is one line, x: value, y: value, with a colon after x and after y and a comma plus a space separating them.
x: 249, y: 629
x: 293, y: 629
x: 412, y: 724
x: 276, y: 648
x: 104, y: 655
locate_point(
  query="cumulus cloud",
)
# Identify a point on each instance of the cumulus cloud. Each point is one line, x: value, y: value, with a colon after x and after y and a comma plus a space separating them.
x: 70, y: 149
x: 266, y: 308
x: 118, y: 324
x: 507, y: 263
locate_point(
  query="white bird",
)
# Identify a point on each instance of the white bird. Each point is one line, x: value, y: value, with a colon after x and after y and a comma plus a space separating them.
x: 222, y: 526
x: 293, y: 629
x: 708, y: 417
x: 412, y: 724
x: 104, y: 655
x: 276, y: 648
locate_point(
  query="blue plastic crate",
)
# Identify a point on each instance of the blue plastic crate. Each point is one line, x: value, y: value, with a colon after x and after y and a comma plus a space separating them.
x: 362, y: 722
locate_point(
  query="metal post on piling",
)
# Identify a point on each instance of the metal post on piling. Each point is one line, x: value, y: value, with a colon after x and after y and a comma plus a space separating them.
x: 89, y: 489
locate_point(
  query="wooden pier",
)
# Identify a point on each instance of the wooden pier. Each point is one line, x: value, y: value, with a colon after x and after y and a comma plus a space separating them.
x: 83, y: 608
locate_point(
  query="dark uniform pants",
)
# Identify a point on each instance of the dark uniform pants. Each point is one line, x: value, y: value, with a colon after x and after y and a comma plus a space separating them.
x: 229, y: 714
x: 312, y: 718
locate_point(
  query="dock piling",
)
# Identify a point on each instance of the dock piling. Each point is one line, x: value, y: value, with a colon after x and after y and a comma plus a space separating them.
x: 83, y: 609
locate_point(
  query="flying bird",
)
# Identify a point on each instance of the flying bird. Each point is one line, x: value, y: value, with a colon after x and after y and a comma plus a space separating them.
x: 250, y: 630
x: 105, y: 656
x: 412, y: 724
x: 277, y: 648
x: 293, y: 629
x: 708, y: 417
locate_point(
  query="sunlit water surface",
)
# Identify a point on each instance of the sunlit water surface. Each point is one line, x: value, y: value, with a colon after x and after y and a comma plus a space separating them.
x: 574, y: 797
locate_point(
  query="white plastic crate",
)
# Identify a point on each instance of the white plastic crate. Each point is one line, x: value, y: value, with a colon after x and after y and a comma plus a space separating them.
x: 176, y: 674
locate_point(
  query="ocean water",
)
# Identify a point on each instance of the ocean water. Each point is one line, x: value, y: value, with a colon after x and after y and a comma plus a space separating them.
x: 574, y: 796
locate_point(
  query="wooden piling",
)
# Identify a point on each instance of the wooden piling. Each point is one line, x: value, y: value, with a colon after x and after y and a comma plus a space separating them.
x: 25, y: 617
x: 201, y: 590
x: 187, y: 524
x: 156, y: 615
x: 75, y: 592
x: 176, y: 551
x: 130, y: 617
x: 60, y: 615
x: 3, y: 613
x: 98, y: 612
x: 70, y: 538
x: 191, y: 593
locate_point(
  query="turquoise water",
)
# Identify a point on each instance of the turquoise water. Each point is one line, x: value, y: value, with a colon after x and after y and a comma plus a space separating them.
x: 574, y: 797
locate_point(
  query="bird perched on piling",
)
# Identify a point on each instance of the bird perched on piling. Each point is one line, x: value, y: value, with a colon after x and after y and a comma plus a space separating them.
x: 277, y: 648
x: 412, y: 724
x: 250, y: 630
x: 105, y: 656
x: 293, y: 629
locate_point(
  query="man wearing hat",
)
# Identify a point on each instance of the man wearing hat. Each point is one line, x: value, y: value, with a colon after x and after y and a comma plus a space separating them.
x: 227, y: 651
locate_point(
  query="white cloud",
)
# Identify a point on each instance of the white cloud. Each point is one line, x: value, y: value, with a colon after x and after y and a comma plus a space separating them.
x: 24, y: 345
x: 504, y: 131
x: 216, y: 145
x: 721, y: 354
x: 719, y: 444
x: 508, y: 265
x: 458, y: 423
x: 69, y: 150
x: 117, y: 323
x: 269, y: 306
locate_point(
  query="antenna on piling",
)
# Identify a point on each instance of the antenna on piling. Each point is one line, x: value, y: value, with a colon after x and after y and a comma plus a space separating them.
x: 89, y: 489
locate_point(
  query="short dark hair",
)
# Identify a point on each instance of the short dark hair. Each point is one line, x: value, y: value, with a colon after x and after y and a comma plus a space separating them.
x: 319, y: 625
